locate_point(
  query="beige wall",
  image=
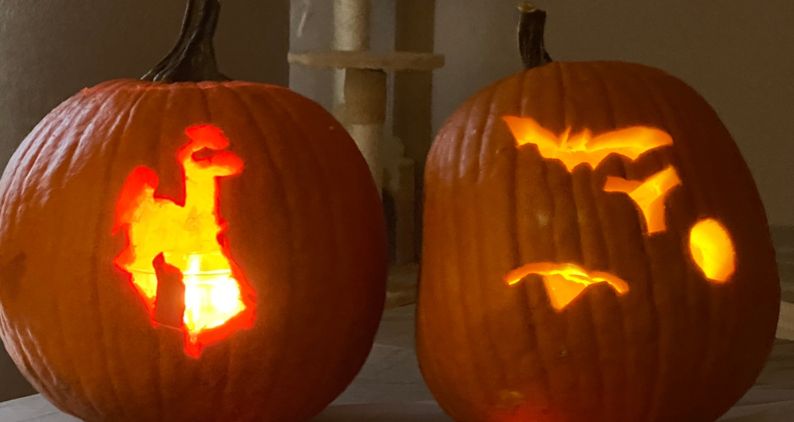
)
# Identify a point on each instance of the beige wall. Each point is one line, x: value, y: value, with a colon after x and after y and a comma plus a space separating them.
x: 49, y: 49
x: 738, y: 54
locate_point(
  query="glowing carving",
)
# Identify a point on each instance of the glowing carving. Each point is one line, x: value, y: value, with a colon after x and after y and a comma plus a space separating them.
x: 712, y: 250
x: 565, y: 282
x: 584, y: 148
x: 649, y: 195
x: 177, y: 254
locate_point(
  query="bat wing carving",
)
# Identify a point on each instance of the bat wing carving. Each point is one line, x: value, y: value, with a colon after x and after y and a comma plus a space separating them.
x: 581, y: 148
x: 565, y: 282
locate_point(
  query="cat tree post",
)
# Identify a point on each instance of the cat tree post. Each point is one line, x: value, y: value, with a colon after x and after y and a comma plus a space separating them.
x: 360, y: 102
x: 360, y: 92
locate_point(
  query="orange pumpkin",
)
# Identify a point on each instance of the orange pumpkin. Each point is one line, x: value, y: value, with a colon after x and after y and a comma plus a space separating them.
x: 189, y: 248
x: 594, y: 250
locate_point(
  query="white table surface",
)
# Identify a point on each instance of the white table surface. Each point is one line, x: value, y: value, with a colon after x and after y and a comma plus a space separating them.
x: 390, y: 387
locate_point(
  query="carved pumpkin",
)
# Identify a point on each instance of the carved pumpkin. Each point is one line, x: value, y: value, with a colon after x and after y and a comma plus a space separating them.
x: 594, y: 250
x: 189, y: 248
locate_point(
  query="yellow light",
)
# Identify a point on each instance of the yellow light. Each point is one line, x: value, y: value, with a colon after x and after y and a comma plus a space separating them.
x: 211, y: 295
x: 565, y: 282
x: 584, y: 148
x: 649, y: 195
x: 188, y: 236
x: 712, y: 250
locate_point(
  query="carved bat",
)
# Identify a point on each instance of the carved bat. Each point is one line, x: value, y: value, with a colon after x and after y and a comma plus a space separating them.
x: 584, y: 148
x: 565, y: 282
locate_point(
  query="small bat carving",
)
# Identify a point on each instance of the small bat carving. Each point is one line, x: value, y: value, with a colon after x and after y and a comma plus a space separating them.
x: 648, y: 195
x: 565, y: 282
x: 584, y: 148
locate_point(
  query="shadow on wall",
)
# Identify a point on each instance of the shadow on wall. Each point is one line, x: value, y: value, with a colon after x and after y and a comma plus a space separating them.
x: 50, y: 49
x: 12, y: 385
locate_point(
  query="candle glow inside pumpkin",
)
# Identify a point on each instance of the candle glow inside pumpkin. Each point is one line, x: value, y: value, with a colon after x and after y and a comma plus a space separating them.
x: 189, y: 237
x: 710, y: 246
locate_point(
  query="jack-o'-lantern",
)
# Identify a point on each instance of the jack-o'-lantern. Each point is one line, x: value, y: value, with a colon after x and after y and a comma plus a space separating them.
x: 594, y: 250
x: 189, y: 248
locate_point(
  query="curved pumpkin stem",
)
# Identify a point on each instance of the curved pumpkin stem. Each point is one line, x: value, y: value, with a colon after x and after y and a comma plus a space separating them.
x: 530, y: 36
x: 193, y: 57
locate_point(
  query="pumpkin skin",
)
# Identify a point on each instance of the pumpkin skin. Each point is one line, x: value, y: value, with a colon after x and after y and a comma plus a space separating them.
x: 304, y: 224
x: 676, y: 347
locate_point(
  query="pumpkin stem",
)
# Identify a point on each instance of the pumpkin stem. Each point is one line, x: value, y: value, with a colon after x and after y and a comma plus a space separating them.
x: 530, y: 36
x: 193, y: 57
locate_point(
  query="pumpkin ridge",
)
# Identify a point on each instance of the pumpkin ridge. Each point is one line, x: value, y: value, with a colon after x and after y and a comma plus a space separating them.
x: 29, y: 350
x: 278, y: 104
x: 278, y: 181
x: 219, y: 399
x: 493, y: 151
x: 159, y: 376
x: 61, y: 163
x: 529, y: 251
x: 21, y: 155
x: 561, y: 324
x: 94, y: 259
x: 22, y: 179
x: 286, y: 109
x: 463, y: 164
x: 338, y: 236
x: 452, y: 155
x: 580, y: 182
x: 431, y: 365
x: 59, y: 156
x: 12, y: 173
x: 642, y: 241
x: 602, y: 210
x: 601, y: 216
x: 484, y: 125
x: 688, y: 284
x: 691, y: 284
x: 523, y: 290
x: 133, y: 109
x: 163, y: 106
x: 160, y: 370
x: 157, y: 373
x: 588, y: 195
x: 544, y: 185
x: 575, y: 326
x: 308, y: 151
x: 524, y: 295
x: 323, y: 180
x: 728, y: 322
x: 660, y: 104
x: 541, y: 296
x: 134, y: 112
